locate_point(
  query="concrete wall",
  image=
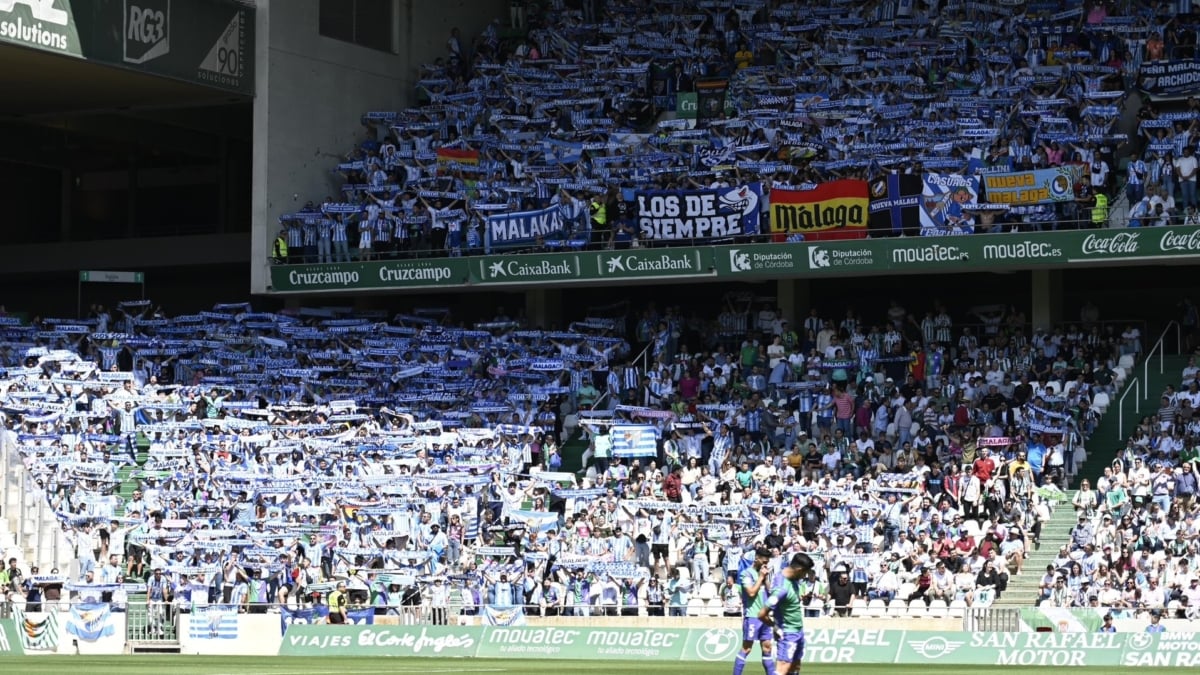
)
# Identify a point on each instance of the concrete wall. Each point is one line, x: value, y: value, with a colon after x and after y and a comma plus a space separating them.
x: 313, y: 91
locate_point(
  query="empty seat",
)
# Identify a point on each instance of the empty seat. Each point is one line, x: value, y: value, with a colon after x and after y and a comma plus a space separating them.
x: 898, y: 609
x: 957, y: 609
x: 696, y: 607
x: 708, y: 591
x: 917, y: 609
x: 1126, y: 361
x: 715, y: 607
x: 1101, y: 402
x: 938, y: 609
x: 876, y: 608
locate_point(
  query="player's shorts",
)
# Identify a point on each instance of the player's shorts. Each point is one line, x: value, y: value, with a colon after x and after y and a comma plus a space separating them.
x: 790, y: 647
x: 754, y: 630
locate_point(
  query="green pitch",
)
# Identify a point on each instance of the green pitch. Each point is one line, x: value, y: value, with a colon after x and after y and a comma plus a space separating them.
x: 233, y: 665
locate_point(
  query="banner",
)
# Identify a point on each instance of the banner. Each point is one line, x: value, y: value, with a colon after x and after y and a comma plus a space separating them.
x: 537, y: 521
x: 1169, y: 78
x: 896, y: 205
x: 41, y: 636
x: 37, y: 24
x: 215, y: 622
x: 320, y: 614
x: 1040, y: 186
x: 457, y: 156
x: 1067, y: 620
x: 10, y: 639
x: 833, y: 210
x: 207, y: 43
x: 945, y: 199
x: 504, y: 616
x: 699, y: 214
x: 90, y: 621
x: 630, y: 440
x: 710, y: 99
x: 822, y: 645
x: 687, y: 105
x: 523, y: 228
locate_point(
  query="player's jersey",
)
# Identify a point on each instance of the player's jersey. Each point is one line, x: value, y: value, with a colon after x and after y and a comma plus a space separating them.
x: 787, y: 603
x: 751, y: 604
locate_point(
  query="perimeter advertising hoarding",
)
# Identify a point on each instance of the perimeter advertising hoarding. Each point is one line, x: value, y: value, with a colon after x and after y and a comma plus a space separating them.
x: 822, y: 645
x: 208, y: 42
x: 891, y: 255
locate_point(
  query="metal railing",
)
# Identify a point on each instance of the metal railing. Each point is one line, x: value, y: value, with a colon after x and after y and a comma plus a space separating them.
x: 421, y: 248
x: 1160, y: 348
x: 1135, y: 386
x: 147, y: 622
x: 992, y: 620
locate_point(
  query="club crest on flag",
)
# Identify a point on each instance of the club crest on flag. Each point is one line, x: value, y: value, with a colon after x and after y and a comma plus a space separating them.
x: 214, y: 623
x: 90, y: 622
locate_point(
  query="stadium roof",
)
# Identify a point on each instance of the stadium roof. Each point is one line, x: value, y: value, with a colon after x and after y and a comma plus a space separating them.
x: 39, y: 83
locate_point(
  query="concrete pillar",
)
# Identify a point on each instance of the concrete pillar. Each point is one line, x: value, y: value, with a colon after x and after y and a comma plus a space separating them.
x: 793, y: 297
x: 543, y: 307
x: 1047, y: 298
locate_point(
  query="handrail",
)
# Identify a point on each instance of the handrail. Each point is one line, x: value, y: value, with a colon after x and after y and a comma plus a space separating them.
x: 642, y: 360
x: 600, y: 400
x: 641, y: 357
x: 1159, y: 347
x: 1135, y: 386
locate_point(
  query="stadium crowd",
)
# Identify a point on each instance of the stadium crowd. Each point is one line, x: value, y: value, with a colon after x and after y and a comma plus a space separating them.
x: 1135, y: 545
x: 787, y: 94
x: 259, y: 459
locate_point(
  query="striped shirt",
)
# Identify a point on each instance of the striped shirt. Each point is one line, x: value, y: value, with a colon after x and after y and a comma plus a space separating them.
x: 866, y: 359
x: 720, y: 449
x: 754, y: 420
x: 339, y: 230
x: 631, y: 377
x: 732, y: 323
x: 945, y: 328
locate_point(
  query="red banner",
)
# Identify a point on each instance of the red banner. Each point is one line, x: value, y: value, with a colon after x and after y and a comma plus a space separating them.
x: 834, y: 210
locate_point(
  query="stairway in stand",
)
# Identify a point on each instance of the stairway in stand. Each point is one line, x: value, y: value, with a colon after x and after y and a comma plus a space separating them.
x: 1023, y: 590
x: 1107, y: 441
x: 145, y: 636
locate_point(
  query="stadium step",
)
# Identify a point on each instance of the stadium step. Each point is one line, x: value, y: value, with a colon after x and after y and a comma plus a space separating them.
x: 152, y: 647
x: 1106, y: 442
x: 1023, y: 590
x: 572, y: 455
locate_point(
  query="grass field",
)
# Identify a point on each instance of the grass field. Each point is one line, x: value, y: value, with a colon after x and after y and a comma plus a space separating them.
x: 232, y: 665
